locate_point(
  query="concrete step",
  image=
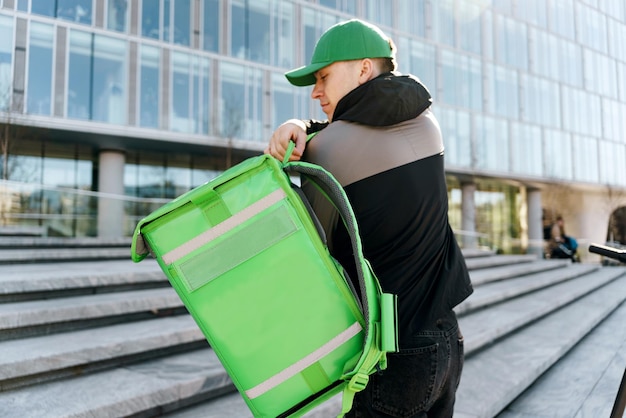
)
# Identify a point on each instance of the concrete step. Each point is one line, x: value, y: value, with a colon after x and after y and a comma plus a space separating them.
x: 493, y: 378
x: 29, y: 361
x: 59, y: 242
x: 149, y: 388
x: 596, y: 364
x: 475, y: 263
x: 486, y: 275
x: 490, y: 325
x: 491, y: 293
x: 48, y: 255
x: 31, y: 318
x: 47, y: 280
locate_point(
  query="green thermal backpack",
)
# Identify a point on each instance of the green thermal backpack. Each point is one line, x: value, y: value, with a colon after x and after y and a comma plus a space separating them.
x: 249, y: 260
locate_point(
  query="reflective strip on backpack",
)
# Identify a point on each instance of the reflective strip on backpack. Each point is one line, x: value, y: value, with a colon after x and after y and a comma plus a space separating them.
x: 305, y: 362
x: 223, y: 227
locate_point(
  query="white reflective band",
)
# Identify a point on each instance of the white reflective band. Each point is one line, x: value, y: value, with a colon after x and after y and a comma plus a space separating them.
x: 223, y: 227
x: 302, y: 364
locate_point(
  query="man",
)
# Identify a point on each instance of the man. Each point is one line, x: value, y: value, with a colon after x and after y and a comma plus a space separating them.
x: 384, y: 146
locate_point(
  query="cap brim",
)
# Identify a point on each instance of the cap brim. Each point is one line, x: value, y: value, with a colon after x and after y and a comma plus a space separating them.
x: 305, y: 76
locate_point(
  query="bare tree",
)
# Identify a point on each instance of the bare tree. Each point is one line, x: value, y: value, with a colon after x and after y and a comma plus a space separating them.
x: 232, y: 123
x: 5, y: 128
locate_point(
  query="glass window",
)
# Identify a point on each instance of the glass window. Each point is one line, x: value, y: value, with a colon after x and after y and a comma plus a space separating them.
x: 571, y: 63
x: 487, y: 31
x: 578, y: 114
x: 421, y: 59
x: 533, y: 11
x: 540, y: 101
x: 348, y: 6
x: 561, y: 18
x: 6, y: 60
x: 109, y: 80
x: 250, y: 30
x: 492, y: 144
x: 211, y: 25
x: 22, y: 5
x: 204, y: 168
x: 190, y: 94
x: 456, y: 131
x: 585, y: 159
x: 443, y: 21
x: 502, y: 91
x: 149, y: 92
x: 97, y: 87
x: 600, y: 73
x: 168, y: 20
x: 612, y: 167
x: 78, y: 11
x: 58, y: 169
x: 503, y: 6
x: 617, y: 39
x: 621, y: 81
x: 497, y: 215
x: 511, y: 42
x: 613, y: 121
x: 411, y: 17
x: 288, y: 101
x: 79, y: 75
x: 181, y: 9
x: 469, y: 21
x: 117, y: 15
x: 544, y: 53
x: 43, y: 7
x: 201, y: 94
x: 24, y: 162
x: 150, y: 179
x: 240, y: 105
x: 177, y: 175
x: 591, y: 26
x: 558, y: 155
x: 379, y: 12
x: 40, y: 61
x: 526, y: 146
x: 462, y: 80
x: 615, y: 9
x: 315, y: 23
x: 150, y: 15
x: 180, y: 111
x: 283, y: 35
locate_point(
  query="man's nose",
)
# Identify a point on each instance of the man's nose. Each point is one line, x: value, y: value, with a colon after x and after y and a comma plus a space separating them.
x: 316, y: 92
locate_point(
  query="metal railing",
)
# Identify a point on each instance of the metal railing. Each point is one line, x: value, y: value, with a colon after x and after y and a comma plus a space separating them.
x: 36, y: 209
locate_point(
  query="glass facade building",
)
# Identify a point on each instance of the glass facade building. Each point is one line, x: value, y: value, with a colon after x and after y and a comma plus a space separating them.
x: 530, y: 95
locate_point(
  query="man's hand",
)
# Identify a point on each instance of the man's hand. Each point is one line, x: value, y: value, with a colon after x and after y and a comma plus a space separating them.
x: 292, y: 130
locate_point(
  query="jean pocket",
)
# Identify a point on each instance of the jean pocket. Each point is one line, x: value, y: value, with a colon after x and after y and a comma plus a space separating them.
x: 461, y: 357
x: 408, y: 384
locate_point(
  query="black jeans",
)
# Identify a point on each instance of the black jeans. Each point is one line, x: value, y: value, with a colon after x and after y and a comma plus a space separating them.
x: 420, y: 380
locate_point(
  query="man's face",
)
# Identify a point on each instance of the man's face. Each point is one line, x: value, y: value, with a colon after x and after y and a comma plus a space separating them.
x: 334, y: 82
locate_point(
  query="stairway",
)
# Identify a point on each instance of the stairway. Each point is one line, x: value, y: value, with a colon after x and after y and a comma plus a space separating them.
x: 84, y: 332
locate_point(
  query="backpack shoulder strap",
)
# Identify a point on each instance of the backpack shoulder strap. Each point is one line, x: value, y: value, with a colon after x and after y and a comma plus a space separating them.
x: 379, y: 309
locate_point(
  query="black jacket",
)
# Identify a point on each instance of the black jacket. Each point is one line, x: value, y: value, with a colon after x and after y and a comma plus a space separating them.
x: 385, y: 148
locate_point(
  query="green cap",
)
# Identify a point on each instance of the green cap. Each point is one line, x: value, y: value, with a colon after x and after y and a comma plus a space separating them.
x: 350, y: 40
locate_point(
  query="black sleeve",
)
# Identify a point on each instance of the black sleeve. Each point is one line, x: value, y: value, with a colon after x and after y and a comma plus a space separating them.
x: 313, y: 125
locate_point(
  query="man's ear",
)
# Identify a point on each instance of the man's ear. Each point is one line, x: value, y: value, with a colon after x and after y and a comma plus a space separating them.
x: 367, y: 71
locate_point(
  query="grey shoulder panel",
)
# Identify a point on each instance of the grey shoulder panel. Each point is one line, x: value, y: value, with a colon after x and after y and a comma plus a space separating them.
x: 352, y: 151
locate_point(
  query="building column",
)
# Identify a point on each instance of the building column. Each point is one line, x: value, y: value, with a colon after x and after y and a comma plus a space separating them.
x: 535, y: 222
x: 111, y: 181
x: 468, y: 215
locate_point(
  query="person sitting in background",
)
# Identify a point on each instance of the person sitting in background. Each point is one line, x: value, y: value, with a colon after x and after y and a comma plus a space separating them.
x: 561, y: 245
